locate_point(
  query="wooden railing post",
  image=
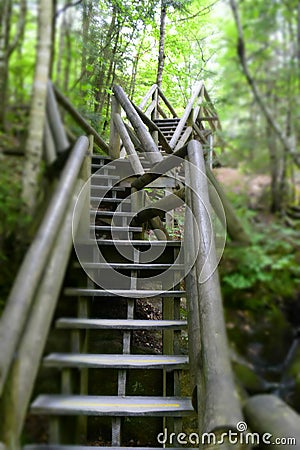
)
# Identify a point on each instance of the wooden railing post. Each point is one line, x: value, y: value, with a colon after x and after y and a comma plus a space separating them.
x: 220, y: 405
x: 151, y: 150
x: 114, y: 137
x: 120, y: 128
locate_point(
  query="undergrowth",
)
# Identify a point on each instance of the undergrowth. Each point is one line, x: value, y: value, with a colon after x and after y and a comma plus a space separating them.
x: 265, y: 273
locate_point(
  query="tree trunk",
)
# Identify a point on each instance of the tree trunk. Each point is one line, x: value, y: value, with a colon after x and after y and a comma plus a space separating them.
x: 7, y: 48
x: 34, y: 144
x: 161, y: 50
x: 4, y: 38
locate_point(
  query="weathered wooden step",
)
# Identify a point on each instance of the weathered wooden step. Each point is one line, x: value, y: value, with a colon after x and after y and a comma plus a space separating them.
x: 172, y: 120
x: 97, y: 176
x: 103, y: 166
x: 116, y: 229
x: 100, y: 213
x: 133, y: 242
x: 111, y: 406
x: 100, y: 188
x: 134, y: 293
x: 128, y: 266
x: 80, y: 360
x: 120, y: 324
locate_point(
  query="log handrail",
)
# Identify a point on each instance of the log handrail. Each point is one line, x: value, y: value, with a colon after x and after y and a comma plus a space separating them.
x: 186, y: 114
x: 20, y: 300
x: 216, y: 390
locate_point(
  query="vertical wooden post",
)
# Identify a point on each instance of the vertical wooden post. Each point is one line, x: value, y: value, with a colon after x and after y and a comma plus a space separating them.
x: 114, y: 138
x: 154, y: 115
x: 221, y: 406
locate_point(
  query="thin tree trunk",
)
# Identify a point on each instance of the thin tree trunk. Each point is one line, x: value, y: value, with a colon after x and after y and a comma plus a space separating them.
x: 161, y: 50
x: 7, y: 48
x: 61, y: 51
x: 256, y: 93
x: 34, y: 144
x: 68, y: 61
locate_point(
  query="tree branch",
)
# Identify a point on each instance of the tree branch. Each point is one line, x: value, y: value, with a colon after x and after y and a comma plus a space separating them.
x: 69, y: 5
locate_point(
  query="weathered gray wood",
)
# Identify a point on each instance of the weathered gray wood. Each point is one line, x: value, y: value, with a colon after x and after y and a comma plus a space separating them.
x: 134, y: 293
x: 160, y: 207
x: 156, y: 223
x: 153, y: 127
x: 114, y: 136
x: 80, y: 120
x: 129, y: 147
x: 135, y: 242
x: 220, y: 406
x: 150, y: 108
x: 133, y: 266
x: 55, y: 122
x: 148, y: 96
x: 120, y: 324
x: 112, y: 406
x: 21, y: 296
x: 191, y: 239
x: 50, y: 152
x: 24, y: 369
x: 143, y: 135
x: 116, y: 361
x: 186, y: 115
x: 184, y: 138
x: 213, y: 109
x: 161, y: 112
x: 160, y: 169
x: 268, y: 415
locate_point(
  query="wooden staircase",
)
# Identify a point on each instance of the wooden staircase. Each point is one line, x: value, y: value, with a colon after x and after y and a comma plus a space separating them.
x: 107, y: 325
x: 161, y: 398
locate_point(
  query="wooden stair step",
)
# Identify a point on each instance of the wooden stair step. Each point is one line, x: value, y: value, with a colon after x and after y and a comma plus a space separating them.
x: 120, y: 324
x: 111, y: 405
x: 129, y: 266
x: 116, y: 361
x: 107, y: 188
x: 103, y: 166
x: 97, y: 176
x: 118, y: 214
x: 172, y: 120
x: 134, y: 293
x: 133, y: 242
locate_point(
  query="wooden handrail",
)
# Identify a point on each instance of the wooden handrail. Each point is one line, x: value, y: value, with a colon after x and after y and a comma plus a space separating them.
x: 20, y: 300
x: 186, y: 115
x: 144, y: 136
x: 129, y: 147
x: 217, y: 393
x: 147, y: 97
x: 66, y: 104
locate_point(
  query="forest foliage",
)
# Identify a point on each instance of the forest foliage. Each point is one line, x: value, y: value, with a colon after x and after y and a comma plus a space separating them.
x: 98, y: 43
